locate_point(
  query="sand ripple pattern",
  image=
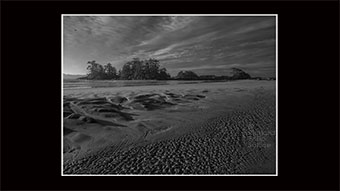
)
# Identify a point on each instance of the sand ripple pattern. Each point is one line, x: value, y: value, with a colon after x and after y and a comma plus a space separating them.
x: 100, y: 110
x: 240, y: 142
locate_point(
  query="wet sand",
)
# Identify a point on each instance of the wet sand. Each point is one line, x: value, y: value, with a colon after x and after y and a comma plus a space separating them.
x: 204, y: 128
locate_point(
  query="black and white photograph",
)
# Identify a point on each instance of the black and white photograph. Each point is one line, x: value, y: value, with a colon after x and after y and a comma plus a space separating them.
x: 169, y: 95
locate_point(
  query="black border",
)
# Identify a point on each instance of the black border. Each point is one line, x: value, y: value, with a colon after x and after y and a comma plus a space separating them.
x: 308, y: 97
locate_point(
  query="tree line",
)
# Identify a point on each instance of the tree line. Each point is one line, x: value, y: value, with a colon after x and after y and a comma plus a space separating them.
x: 149, y: 69
x: 136, y: 69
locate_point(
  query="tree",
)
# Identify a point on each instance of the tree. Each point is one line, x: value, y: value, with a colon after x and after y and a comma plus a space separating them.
x: 143, y: 70
x: 163, y: 75
x: 127, y: 72
x: 119, y: 74
x: 133, y: 70
x: 95, y: 70
x: 153, y: 68
x: 137, y: 67
x: 187, y: 75
x: 146, y: 70
x: 110, y: 72
x: 238, y: 74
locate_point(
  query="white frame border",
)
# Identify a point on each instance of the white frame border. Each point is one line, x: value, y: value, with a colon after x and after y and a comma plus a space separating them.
x: 193, y: 15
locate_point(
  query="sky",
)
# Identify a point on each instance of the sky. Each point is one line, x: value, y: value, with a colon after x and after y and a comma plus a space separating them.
x: 207, y: 45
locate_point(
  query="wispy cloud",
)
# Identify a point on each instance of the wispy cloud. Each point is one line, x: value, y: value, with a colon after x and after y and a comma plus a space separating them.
x: 259, y: 25
x: 177, y: 22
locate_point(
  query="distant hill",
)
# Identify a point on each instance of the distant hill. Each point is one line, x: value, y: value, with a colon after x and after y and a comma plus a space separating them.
x: 72, y: 76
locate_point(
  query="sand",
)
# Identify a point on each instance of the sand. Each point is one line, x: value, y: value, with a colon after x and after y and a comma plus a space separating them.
x: 201, y: 128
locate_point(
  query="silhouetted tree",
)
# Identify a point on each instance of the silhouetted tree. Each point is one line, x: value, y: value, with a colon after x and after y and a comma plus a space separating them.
x: 119, y: 74
x: 149, y: 69
x: 163, y: 75
x: 127, y: 71
x: 95, y: 70
x: 238, y: 74
x: 153, y: 68
x: 143, y: 70
x: 187, y: 75
x: 110, y: 72
x: 137, y: 69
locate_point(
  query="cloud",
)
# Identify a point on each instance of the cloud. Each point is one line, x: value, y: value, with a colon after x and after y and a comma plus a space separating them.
x: 205, y: 44
x: 259, y: 25
x: 261, y: 42
x: 164, y: 50
x: 177, y: 22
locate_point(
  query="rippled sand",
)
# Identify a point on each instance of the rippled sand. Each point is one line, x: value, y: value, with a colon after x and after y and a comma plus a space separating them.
x: 205, y: 128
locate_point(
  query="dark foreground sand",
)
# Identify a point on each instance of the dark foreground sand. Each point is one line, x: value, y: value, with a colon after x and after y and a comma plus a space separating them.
x: 211, y: 128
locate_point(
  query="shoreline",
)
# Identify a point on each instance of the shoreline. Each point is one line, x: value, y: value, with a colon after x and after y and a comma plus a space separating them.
x: 76, y: 84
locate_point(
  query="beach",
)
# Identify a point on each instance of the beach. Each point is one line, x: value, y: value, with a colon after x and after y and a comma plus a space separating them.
x: 171, y: 128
